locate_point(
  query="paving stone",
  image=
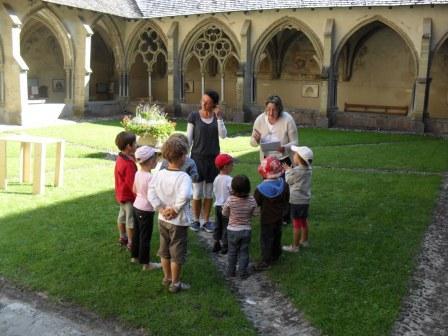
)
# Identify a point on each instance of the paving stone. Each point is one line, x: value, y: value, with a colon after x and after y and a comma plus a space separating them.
x: 424, y: 311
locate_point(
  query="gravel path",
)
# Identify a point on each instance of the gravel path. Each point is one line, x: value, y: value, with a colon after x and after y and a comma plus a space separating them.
x: 271, y: 312
x: 425, y: 310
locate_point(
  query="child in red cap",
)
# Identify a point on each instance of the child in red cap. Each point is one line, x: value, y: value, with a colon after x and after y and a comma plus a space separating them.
x: 271, y: 195
x: 221, y: 191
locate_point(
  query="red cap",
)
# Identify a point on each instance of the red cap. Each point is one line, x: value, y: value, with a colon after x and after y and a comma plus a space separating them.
x: 222, y: 160
x: 270, y: 168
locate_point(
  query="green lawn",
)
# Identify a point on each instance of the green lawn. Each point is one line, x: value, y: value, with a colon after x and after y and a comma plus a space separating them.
x: 371, y: 204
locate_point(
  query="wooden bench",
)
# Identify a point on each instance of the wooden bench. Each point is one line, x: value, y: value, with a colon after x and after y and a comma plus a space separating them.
x: 385, y: 109
x: 38, y: 171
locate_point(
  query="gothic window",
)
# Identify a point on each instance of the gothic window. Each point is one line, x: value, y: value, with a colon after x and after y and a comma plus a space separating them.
x: 150, y: 46
x: 212, y: 48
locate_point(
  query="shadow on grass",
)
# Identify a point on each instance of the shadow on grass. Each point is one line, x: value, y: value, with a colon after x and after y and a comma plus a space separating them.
x: 96, y: 155
x: 69, y: 250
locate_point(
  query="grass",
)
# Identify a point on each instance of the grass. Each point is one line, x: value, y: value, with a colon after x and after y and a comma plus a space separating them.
x: 373, y: 195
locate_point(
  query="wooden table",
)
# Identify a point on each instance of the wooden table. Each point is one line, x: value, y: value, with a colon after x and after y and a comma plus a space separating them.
x: 40, y: 152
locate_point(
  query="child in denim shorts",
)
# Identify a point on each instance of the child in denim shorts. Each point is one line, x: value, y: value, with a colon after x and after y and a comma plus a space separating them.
x: 169, y: 192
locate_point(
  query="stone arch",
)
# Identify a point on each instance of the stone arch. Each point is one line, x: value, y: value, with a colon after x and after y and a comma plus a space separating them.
x: 363, y: 77
x: 107, y: 59
x: 287, y: 58
x: 109, y: 31
x: 48, y: 18
x: 146, y: 61
x: 438, y: 87
x: 207, y: 48
x: 405, y: 37
x: 198, y: 31
x: 285, y: 23
x: 145, y: 26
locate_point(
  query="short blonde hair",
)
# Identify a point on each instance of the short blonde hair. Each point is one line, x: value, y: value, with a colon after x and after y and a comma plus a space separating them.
x: 174, y: 148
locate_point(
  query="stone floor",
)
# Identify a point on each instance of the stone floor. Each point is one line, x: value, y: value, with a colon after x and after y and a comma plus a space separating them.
x: 24, y: 313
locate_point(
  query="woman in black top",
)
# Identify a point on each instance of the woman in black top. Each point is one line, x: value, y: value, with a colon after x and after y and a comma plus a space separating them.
x: 204, y: 129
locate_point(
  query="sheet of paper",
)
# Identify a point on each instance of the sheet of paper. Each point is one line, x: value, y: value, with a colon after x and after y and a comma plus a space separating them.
x: 270, y: 146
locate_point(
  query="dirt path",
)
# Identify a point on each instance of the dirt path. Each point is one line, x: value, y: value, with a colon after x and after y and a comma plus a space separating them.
x: 271, y: 312
x: 424, y: 311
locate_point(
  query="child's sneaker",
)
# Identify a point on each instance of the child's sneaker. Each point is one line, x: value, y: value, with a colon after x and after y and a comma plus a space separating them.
x: 305, y: 244
x: 244, y: 275
x: 151, y: 266
x: 216, y: 247
x: 195, y: 226
x: 208, y: 227
x: 174, y: 288
x: 261, y: 266
x: 134, y: 260
x: 166, y: 282
x: 290, y: 248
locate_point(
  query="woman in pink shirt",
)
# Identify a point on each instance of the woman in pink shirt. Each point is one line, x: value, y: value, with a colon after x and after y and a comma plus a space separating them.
x: 143, y: 210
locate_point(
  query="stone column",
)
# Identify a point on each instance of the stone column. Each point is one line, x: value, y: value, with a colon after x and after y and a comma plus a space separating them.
x: 68, y: 84
x: 222, y: 88
x: 126, y: 84
x: 2, y: 86
x: 326, y: 83
x: 149, y: 87
x: 245, y: 78
x: 422, y: 81
x: 82, y: 68
x: 15, y: 69
x: 202, y: 83
x: 174, y: 82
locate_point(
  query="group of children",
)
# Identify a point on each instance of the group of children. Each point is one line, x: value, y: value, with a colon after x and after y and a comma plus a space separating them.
x: 169, y: 191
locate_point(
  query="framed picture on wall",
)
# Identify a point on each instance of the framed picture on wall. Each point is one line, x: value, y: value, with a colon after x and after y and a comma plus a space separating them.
x: 189, y: 86
x: 58, y: 85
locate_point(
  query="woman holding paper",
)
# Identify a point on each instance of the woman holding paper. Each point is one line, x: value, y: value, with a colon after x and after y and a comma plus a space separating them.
x: 274, y: 131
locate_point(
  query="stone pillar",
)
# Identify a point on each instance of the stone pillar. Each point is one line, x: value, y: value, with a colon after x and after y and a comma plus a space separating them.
x: 82, y: 68
x: 174, y: 80
x: 245, y: 78
x: 326, y: 83
x: 422, y: 81
x: 149, y: 87
x: 68, y: 85
x: 222, y: 88
x: 2, y: 86
x: 202, y: 83
x: 122, y: 85
x: 15, y: 69
x: 126, y: 84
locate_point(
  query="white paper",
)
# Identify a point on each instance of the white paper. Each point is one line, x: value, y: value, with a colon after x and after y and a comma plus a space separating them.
x: 271, y: 146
